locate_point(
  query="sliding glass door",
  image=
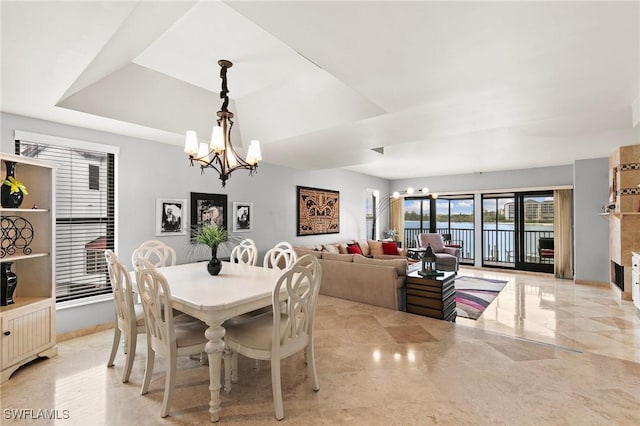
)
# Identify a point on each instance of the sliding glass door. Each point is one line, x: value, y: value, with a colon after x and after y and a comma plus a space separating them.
x: 517, y: 230
x: 535, y: 236
x: 498, y: 230
x: 454, y: 220
x: 417, y: 219
x: 451, y: 216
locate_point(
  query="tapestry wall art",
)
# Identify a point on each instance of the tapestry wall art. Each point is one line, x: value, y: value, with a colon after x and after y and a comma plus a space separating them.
x: 318, y: 211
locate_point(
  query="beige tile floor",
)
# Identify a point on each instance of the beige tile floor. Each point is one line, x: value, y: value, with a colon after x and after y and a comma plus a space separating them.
x: 546, y: 352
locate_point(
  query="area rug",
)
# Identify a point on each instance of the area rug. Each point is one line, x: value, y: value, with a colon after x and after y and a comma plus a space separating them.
x: 473, y: 295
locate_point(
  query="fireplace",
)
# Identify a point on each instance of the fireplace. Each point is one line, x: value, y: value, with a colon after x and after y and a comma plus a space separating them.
x: 617, y: 275
x: 624, y: 218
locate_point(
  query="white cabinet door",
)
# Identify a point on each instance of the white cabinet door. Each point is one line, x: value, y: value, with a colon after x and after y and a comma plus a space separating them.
x: 26, y: 332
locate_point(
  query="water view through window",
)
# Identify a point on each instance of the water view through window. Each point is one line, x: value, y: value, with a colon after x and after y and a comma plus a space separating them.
x: 453, y: 219
x: 517, y: 230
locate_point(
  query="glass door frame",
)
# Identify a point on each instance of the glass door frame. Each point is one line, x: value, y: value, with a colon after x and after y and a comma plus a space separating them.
x: 425, y: 226
x: 498, y: 260
x: 465, y: 238
x: 521, y: 261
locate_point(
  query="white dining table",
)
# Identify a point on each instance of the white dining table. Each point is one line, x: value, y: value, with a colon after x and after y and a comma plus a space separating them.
x: 238, y: 289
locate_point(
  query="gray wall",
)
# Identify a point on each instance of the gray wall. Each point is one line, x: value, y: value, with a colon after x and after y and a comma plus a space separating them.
x: 591, y: 231
x: 147, y: 170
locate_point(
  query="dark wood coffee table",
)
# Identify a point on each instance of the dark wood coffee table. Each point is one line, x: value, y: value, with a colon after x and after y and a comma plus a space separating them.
x: 432, y: 297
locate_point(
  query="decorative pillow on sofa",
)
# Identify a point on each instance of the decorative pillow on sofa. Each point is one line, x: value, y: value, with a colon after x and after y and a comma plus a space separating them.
x: 375, y: 247
x: 390, y: 247
x: 331, y: 248
x: 354, y: 248
x: 364, y: 246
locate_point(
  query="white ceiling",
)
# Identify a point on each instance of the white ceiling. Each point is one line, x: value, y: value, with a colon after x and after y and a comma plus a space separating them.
x: 443, y: 87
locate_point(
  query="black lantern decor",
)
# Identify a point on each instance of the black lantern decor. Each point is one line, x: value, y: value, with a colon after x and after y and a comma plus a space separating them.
x: 429, y: 268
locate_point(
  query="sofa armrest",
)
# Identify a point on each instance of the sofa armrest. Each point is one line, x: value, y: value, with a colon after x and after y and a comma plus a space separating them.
x: 454, y: 251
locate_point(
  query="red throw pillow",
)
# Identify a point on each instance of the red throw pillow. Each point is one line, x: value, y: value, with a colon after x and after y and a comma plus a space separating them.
x: 354, y: 249
x: 390, y: 248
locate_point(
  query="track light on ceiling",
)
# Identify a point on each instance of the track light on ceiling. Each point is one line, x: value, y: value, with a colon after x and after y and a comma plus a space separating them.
x: 412, y: 192
x: 220, y: 154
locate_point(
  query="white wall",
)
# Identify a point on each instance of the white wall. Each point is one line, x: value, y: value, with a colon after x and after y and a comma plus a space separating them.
x: 147, y: 170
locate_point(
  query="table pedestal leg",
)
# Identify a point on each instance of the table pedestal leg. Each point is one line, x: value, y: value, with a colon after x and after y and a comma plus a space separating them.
x: 214, y: 349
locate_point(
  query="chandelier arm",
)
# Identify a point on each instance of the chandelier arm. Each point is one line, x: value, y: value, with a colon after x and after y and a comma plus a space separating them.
x: 240, y: 162
x: 215, y: 163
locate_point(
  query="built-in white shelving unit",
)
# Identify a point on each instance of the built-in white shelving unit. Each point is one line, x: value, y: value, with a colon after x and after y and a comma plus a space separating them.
x: 28, y: 325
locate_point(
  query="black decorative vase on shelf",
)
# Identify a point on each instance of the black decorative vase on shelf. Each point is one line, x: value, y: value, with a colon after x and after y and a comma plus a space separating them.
x: 9, y: 199
x: 9, y: 284
x: 215, y: 265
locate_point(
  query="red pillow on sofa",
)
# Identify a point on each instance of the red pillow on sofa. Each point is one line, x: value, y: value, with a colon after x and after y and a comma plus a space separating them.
x: 390, y: 248
x: 354, y: 249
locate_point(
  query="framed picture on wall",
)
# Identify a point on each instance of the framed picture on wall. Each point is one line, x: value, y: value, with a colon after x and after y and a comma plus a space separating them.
x: 207, y: 209
x: 318, y: 211
x: 170, y: 217
x: 242, y: 216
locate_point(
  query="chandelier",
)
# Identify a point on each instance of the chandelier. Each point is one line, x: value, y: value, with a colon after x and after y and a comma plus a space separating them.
x: 220, y: 154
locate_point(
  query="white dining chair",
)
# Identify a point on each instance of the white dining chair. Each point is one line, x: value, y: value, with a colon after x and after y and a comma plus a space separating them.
x: 279, y: 334
x: 129, y: 317
x: 281, y: 256
x: 166, y: 335
x: 156, y: 252
x: 245, y: 252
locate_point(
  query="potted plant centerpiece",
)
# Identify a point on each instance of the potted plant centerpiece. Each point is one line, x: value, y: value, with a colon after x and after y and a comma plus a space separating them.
x: 212, y: 236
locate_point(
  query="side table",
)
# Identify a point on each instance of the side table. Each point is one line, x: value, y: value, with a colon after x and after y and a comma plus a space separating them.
x: 432, y: 297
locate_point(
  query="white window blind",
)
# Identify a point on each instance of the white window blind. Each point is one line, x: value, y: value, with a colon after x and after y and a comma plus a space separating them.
x: 85, y: 216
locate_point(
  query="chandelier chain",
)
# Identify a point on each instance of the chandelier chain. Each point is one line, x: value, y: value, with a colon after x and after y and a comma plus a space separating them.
x: 224, y: 93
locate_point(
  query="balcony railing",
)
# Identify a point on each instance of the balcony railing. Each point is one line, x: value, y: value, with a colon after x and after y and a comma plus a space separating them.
x: 462, y: 237
x: 498, y: 245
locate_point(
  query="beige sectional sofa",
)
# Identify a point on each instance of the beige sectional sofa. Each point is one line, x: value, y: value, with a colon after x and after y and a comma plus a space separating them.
x: 377, y: 280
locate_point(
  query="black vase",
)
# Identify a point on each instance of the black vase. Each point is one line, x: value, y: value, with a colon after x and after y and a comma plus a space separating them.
x: 215, y: 265
x: 7, y: 199
x: 9, y: 284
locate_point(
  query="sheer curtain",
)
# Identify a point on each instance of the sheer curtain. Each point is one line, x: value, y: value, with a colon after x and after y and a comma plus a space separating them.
x: 563, y: 224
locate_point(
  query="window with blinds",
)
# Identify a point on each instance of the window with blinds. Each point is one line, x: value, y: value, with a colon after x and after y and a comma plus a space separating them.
x: 85, y: 216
